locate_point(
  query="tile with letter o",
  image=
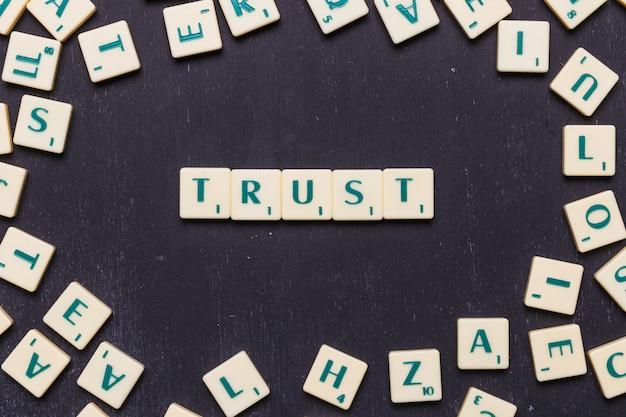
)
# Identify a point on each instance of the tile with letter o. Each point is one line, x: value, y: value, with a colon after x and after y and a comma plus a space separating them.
x: 245, y: 16
x: 6, y: 139
x: 523, y: 46
x: 405, y: 19
x: 479, y: 403
x: 408, y: 193
x: 61, y: 19
x: 553, y: 285
x: 10, y: 13
x: 572, y: 12
x: 415, y: 375
x: 91, y: 410
x: 477, y: 16
x: 43, y: 124
x: 589, y: 150
x: 5, y: 321
x: 357, y: 194
x: 307, y: 194
x: 12, y: 181
x: 255, y: 194
x: 335, y: 14
x: 557, y: 352
x: 483, y: 343
x: 177, y: 410
x: 205, y: 193
x: 609, y: 364
x: 612, y: 277
x: 192, y: 28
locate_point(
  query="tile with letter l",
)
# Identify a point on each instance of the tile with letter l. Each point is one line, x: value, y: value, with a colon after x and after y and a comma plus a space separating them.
x: 35, y: 363
x: 307, y: 194
x: 43, y: 124
x: 357, y: 194
x: 408, y: 193
x: 91, y: 410
x: 12, y: 180
x: 335, y: 377
x: 10, y: 13
x: 405, y: 19
x: 109, y: 51
x: 255, y: 194
x: 584, y: 82
x: 523, y: 46
x: 476, y: 16
x: 335, y: 14
x: 573, y: 13
x: 557, y: 352
x: 595, y: 221
x: 5, y: 321
x: 483, y: 343
x: 589, y: 150
x: 192, y: 28
x: 204, y: 193
x: 609, y: 364
x: 415, y: 375
x: 236, y: 384
x: 245, y: 16
x: 177, y: 410
x: 553, y: 285
x: 110, y: 375
x: 61, y: 19
x: 24, y: 258
x: 6, y: 140
x: 612, y: 277
x: 478, y: 403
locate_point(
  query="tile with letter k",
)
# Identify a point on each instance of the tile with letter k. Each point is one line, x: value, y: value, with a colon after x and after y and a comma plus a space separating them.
x: 10, y: 13
x: 573, y: 12
x: 609, y: 365
x: 612, y: 277
x: 245, y: 16
x: 205, y: 193
x: 91, y: 410
x: 476, y: 16
x: 478, y: 403
x: 177, y: 410
x: 589, y: 150
x: 192, y: 28
x: 553, y: 285
x: 61, y: 17
x: 415, y: 375
x: 523, y: 46
x: 6, y: 140
x: 405, y: 19
x: 5, y: 321
x: 483, y: 343
x: 557, y: 352
x: 12, y: 181
x: 335, y: 14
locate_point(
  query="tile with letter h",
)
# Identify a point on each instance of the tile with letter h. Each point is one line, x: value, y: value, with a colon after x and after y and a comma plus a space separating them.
x: 483, y: 343
x: 553, y: 285
x: 409, y: 193
x: 5, y: 321
x: 12, y: 181
x: 589, y: 150
x: 478, y: 403
x: 205, y: 193
x: 573, y: 12
x: 357, y: 194
x: 406, y: 19
x: 477, y: 16
x: 335, y: 14
x: 612, y: 277
x: 177, y: 410
x: 523, y: 46
x: 557, y: 352
x: 245, y: 16
x: 91, y: 410
x: 415, y: 375
x: 6, y: 140
x: 10, y: 13
x: 609, y: 365
x: 43, y: 124
x: 192, y: 28
x: 256, y: 194
x: 61, y: 19
x: 306, y: 194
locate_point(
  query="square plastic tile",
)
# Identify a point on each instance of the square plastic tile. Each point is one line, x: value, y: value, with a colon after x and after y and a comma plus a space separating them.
x: 523, y: 46
x: 43, y: 124
x: 357, y: 194
x: 482, y: 343
x: 573, y: 13
x: 24, y: 258
x: 61, y: 19
x: 553, y: 285
x: 476, y: 16
x: 307, y: 194
x: 192, y: 28
x: 256, y: 194
x: 589, y: 150
x: 335, y: 14
x: 415, y: 375
x: 5, y: 321
x: 409, y: 193
x: 480, y: 403
x: 612, y: 277
x: 12, y: 181
x: 406, y: 19
x: 205, y: 193
x: 177, y: 410
x: 609, y: 365
x: 6, y: 139
x: 91, y: 410
x: 245, y: 16
x: 557, y: 352
x: 10, y: 13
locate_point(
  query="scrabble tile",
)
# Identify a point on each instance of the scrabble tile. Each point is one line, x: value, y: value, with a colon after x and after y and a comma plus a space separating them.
x: 255, y: 194
x: 35, y: 363
x: 335, y: 377
x: 5, y: 321
x: 6, y: 140
x: 572, y: 12
x: 595, y: 221
x: 77, y: 315
x: 205, y: 193
x: 335, y: 14
x: 43, y: 124
x: 476, y: 16
x: 622, y: 2
x: 409, y: 193
x: 612, y: 277
x: 584, y: 82
x: 589, y: 150
x: 415, y: 375
x: 31, y: 61
x: 523, y: 46
x: 482, y: 343
x: 358, y: 194
x: 24, y: 258
x: 91, y: 410
x: 10, y: 13
x: 192, y: 28
x: 176, y: 410
x: 61, y: 18
x: 406, y: 19
x: 609, y: 366
x: 12, y: 180
x: 236, y: 384
x: 245, y: 16
x: 553, y: 285
x: 110, y: 375
x: 480, y: 403
x: 109, y: 51
x: 557, y: 352
x: 307, y: 194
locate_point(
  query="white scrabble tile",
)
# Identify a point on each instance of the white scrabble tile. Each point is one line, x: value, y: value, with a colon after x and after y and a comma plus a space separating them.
x: 110, y: 375
x: 609, y: 365
x: 236, y: 384
x: 483, y: 343
x: 335, y: 377
x: 612, y: 277
x: 415, y: 375
x: 205, y: 193
x: 406, y: 19
x: 357, y: 194
x: 177, y: 410
x: 409, y: 193
x: 109, y: 51
x: 476, y: 16
x: 31, y: 61
x: 35, y: 363
x: 595, y: 221
x: 91, y: 410
x: 480, y: 403
x: 584, y: 81
x: 43, y: 124
x: 589, y: 150
x: 307, y: 194
x: 192, y: 28
x: 572, y: 12
x: 245, y: 16
x: 523, y: 46
x: 5, y: 321
x: 557, y: 352
x: 12, y: 180
x: 61, y: 18
x: 10, y: 13
x: 6, y: 139
x: 335, y: 14
x: 24, y: 258
x: 255, y: 194
x: 77, y: 315
x: 553, y: 285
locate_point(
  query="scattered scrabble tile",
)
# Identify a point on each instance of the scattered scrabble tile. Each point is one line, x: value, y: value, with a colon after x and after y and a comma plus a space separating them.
x: 479, y: 403
x: 91, y: 410
x: 573, y: 12
x: 622, y: 2
x: 415, y: 375
x: 61, y: 19
x: 476, y: 16
x: 405, y: 20
x: 43, y: 124
x: 256, y: 194
x: 24, y: 258
x: 245, y: 16
x: 77, y: 315
x: 5, y: 321
x: 609, y: 365
x: 205, y: 193
x: 357, y: 194
x: 12, y: 180
x: 110, y: 375
x: 483, y: 343
x: 584, y: 82
x: 31, y: 61
x: 409, y: 193
x: 335, y: 14
x: 553, y: 285
x: 335, y: 377
x: 589, y: 150
x: 236, y: 384
x: 557, y: 352
x: 109, y: 51
x: 192, y: 28
x: 612, y: 277
x: 523, y: 46
x: 10, y: 13
x: 176, y: 410
x: 35, y: 363
x: 307, y: 194
x: 595, y: 221
x: 6, y: 140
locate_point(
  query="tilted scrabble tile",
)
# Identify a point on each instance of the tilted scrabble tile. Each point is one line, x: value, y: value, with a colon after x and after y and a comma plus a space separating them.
x: 307, y: 194
x: 244, y: 16
x: 5, y: 321
x: 10, y: 13
x: 192, y: 28
x: 609, y: 365
x: 236, y: 384
x: 177, y: 410
x: 91, y: 410
x: 553, y: 285
x: 205, y: 193
x: 523, y: 46
x: 12, y: 180
x: 573, y: 12
x: 24, y: 258
x: 335, y: 14
x: 589, y: 150
x: 480, y: 403
x: 612, y: 277
x: 557, y: 352
x: 35, y: 363
x: 256, y: 194
x: 404, y: 20
x: 357, y: 194
x: 476, y: 16
x: 483, y: 343
x: 6, y: 140
x: 415, y: 375
x: 409, y: 193
x: 62, y: 17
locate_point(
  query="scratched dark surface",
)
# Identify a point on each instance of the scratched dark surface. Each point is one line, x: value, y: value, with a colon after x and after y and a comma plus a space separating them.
x: 188, y: 295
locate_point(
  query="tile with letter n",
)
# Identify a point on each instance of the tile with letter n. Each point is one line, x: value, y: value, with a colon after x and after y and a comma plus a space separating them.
x: 483, y: 343
x: 409, y: 193
x: 405, y: 19
x: 612, y: 277
x: 478, y: 403
x: 476, y: 16
x: 609, y: 365
x: 589, y: 150
x: 6, y: 140
x: 573, y: 12
x: 255, y: 194
x: 557, y: 352
x: 553, y: 285
x: 204, y: 193
x: 415, y: 375
x: 357, y: 194
x: 523, y: 46
x: 91, y: 410
x: 10, y: 13
x: 61, y: 17
x: 335, y: 14
x: 5, y: 321
x: 307, y: 194
x: 12, y: 181
x: 192, y: 28
x: 245, y: 16
x: 177, y: 410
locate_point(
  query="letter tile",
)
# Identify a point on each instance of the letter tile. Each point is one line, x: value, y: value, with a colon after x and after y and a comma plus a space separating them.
x: 335, y: 14
x: 482, y: 343
x: 357, y: 194
x: 91, y: 410
x: 6, y: 140
x: 609, y: 365
x: 409, y: 193
x: 573, y: 12
x: 553, y: 285
x: 61, y: 17
x: 5, y: 321
x: 406, y: 19
x: 589, y: 150
x: 476, y: 16
x: 245, y: 16
x: 557, y: 352
x: 523, y: 46
x: 307, y: 194
x: 177, y: 410
x: 10, y: 13
x: 612, y: 277
x: 256, y: 194
x: 12, y: 181
x: 192, y: 28
x: 480, y: 403
x: 43, y: 124
x: 415, y: 375
x: 205, y: 193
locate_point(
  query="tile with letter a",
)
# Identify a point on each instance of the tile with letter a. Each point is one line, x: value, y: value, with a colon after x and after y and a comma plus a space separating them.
x: 204, y: 193
x: 307, y: 194
x: 43, y: 124
x: 245, y: 16
x: 91, y: 410
x: 476, y: 16
x: 192, y: 28
x: 10, y: 13
x: 35, y: 363
x: 335, y: 14
x: 409, y: 193
x: 236, y: 384
x: 553, y: 285
x: 12, y: 180
x: 612, y: 277
x: 177, y: 410
x: 24, y: 259
x: 557, y: 352
x: 255, y: 194
x: 405, y: 19
x: 483, y: 343
x: 523, y: 46
x: 589, y: 150
x: 357, y: 194
x: 609, y: 365
x: 479, y: 403
x: 415, y: 375
x: 572, y: 12
x: 5, y: 321
x: 62, y: 17
x: 6, y: 140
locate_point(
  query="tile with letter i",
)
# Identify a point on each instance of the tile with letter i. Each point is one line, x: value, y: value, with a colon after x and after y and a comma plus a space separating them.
x: 307, y: 194
x: 245, y: 16
x: 192, y: 28
x: 5, y: 321
x: 589, y: 150
x: 478, y: 403
x: 12, y: 180
x: 35, y: 363
x: 61, y: 17
x: 523, y: 46
x: 477, y: 16
x: 43, y: 124
x: 609, y: 364
x: 553, y: 285
x: 483, y: 343
x: 10, y: 13
x: 357, y: 194
x: 573, y: 12
x: 557, y: 352
x: 335, y: 14
x: 595, y: 221
x: 405, y: 19
x: 177, y: 410
x: 6, y: 140
x: 415, y: 375
x: 204, y: 193
x: 109, y: 51
x: 24, y: 258
x: 612, y: 277
x: 110, y: 375
x: 408, y: 193
x: 91, y: 410
x: 236, y: 384
x: 255, y: 194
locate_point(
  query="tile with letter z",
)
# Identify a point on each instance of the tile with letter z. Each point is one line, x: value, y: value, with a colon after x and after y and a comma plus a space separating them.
x: 61, y: 18
x: 557, y: 352
x: 609, y: 365
x: 192, y: 28
x: 477, y: 16
x: 335, y: 14
x: 12, y: 181
x: 405, y: 19
x: 479, y: 403
x: 553, y: 285
x: 245, y: 16
x: 415, y: 375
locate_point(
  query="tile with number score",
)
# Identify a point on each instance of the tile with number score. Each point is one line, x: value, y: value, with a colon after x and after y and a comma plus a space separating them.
x: 482, y: 343
x: 609, y: 365
x: 573, y: 12
x: 477, y: 16
x: 523, y: 46
x: 335, y: 14
x: 357, y: 194
x: 415, y: 375
x: 405, y: 20
x: 192, y: 28
x: 12, y: 181
x: 408, y: 193
x: 553, y: 285
x: 307, y: 194
x: 24, y: 258
x: 479, y: 403
x: 557, y: 352
x: 589, y: 150
x: 61, y: 19
x: 43, y: 124
x: 244, y: 17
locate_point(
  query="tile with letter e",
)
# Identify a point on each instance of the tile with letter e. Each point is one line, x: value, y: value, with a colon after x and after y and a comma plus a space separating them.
x: 10, y: 13
x: 43, y: 124
x: 307, y: 194
x: 204, y: 193
x: 91, y: 410
x: 335, y: 377
x: 584, y: 82
x: 236, y: 384
x: 478, y: 403
x: 595, y: 221
x: 110, y: 375
x: 415, y: 375
x: 61, y: 18
x: 553, y: 285
x: 589, y: 150
x: 35, y: 363
x: 335, y: 14
x: 24, y: 258
x: 612, y: 277
x: 483, y: 343
x: 12, y: 180
x: 5, y: 321
x: 609, y: 364
x: 476, y: 16
x: 405, y: 19
x: 572, y: 12
x: 357, y: 194
x: 109, y: 51
x: 557, y: 352
x: 255, y: 194
x: 408, y: 193
x: 177, y: 410
x: 6, y: 140
x: 245, y: 16
x: 192, y: 28
x: 523, y: 46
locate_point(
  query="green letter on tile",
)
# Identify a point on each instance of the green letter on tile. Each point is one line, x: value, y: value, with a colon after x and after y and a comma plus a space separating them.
x: 480, y: 334
x: 339, y: 375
